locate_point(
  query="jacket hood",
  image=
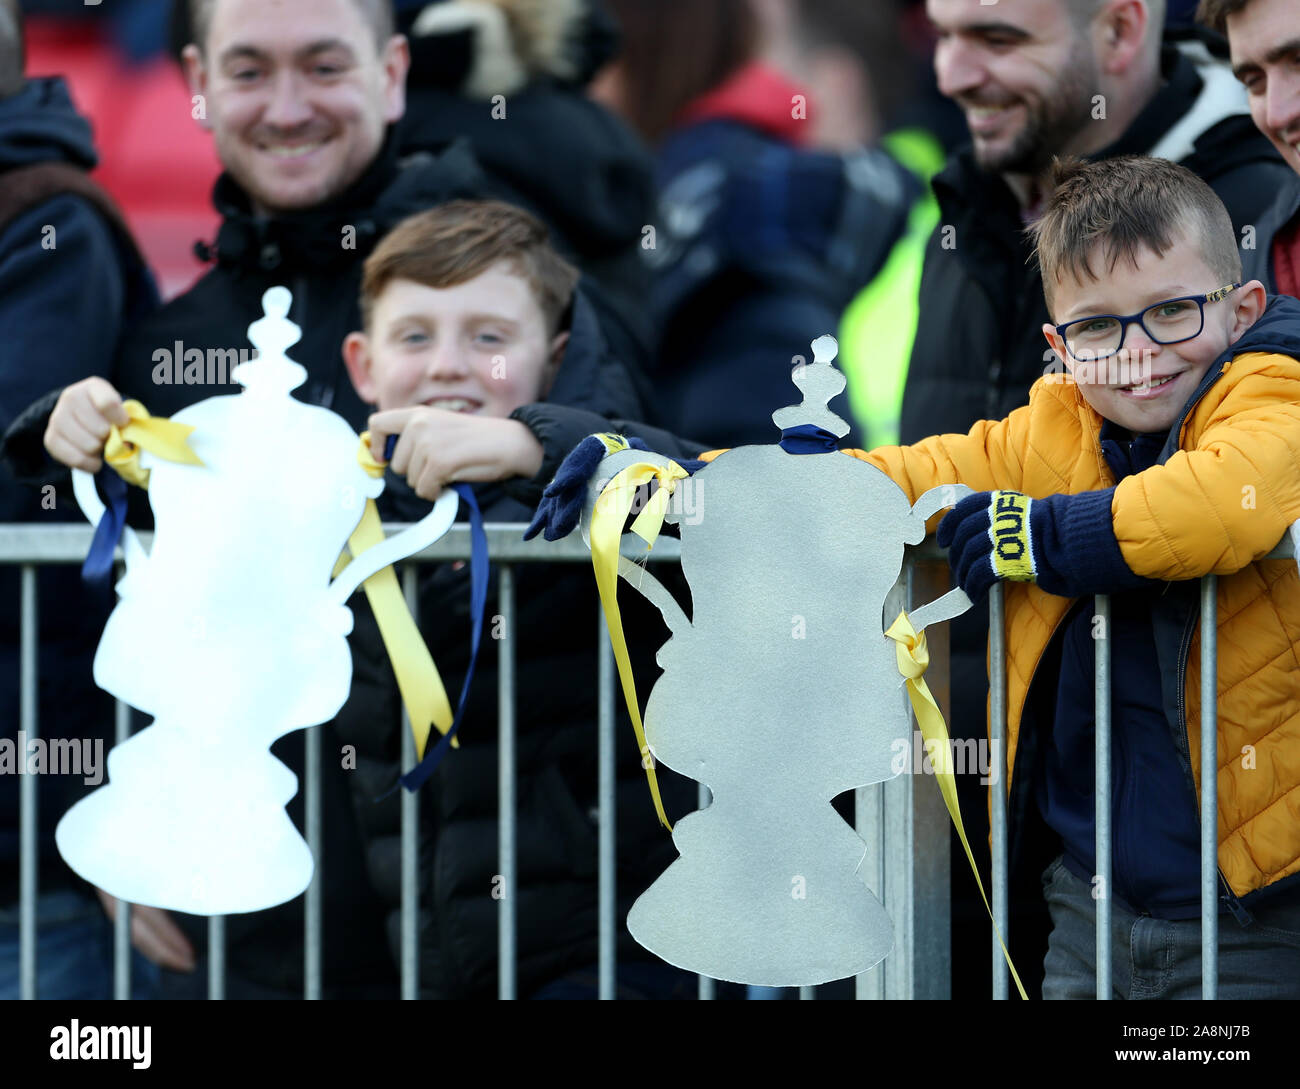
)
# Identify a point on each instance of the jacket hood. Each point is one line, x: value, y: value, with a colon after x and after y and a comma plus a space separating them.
x: 1258, y: 262
x: 756, y: 95
x: 562, y: 156
x: 1277, y: 330
x: 1198, y: 93
x: 1221, y: 97
x: 40, y: 123
x: 482, y: 48
x: 316, y: 238
x: 590, y: 377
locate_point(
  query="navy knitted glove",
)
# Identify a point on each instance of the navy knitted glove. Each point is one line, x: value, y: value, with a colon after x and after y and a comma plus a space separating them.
x: 1065, y: 543
x: 990, y: 536
x: 561, y: 507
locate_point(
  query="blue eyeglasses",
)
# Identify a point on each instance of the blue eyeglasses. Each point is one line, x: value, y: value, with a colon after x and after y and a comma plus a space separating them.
x: 1168, y: 322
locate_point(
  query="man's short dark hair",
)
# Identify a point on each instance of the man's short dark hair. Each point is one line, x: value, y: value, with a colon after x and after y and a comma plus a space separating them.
x: 13, y: 57
x: 1214, y: 13
x: 377, y: 13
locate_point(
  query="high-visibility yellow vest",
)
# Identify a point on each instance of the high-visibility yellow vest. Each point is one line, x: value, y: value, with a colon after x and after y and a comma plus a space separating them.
x: 879, y: 326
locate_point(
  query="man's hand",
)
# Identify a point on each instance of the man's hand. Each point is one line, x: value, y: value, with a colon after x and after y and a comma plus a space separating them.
x: 80, y: 423
x: 154, y: 934
x: 437, y: 447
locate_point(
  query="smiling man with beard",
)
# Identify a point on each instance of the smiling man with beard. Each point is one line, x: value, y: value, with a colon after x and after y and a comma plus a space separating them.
x: 1037, y: 79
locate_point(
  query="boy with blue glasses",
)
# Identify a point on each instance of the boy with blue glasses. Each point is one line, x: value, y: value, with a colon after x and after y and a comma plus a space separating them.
x: 1171, y: 451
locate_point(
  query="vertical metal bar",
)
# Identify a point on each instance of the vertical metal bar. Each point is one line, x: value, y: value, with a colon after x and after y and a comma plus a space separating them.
x: 900, y: 849
x: 506, y: 786
x: 874, y: 812
x: 807, y: 994
x: 1101, y: 800
x: 997, y: 739
x: 122, y: 923
x: 870, y: 822
x: 410, y: 920
x: 899, y: 846
x: 217, y: 957
x: 312, y: 938
x: 1209, y: 787
x: 708, y: 986
x: 27, y: 839
x: 918, y: 834
x: 607, y: 904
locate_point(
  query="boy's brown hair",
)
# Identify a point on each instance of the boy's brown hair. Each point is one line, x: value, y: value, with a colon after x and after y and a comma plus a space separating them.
x: 451, y: 244
x: 1123, y: 204
x: 1214, y: 13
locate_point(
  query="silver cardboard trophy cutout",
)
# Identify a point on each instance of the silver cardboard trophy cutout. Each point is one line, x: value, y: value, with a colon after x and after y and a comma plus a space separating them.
x: 231, y: 635
x: 780, y: 693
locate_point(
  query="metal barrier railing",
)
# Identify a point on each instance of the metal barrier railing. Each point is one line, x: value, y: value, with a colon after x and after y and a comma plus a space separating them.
x: 906, y: 830
x: 1209, y: 780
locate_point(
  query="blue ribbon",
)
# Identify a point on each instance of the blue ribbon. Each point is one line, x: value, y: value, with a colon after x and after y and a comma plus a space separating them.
x: 99, y: 560
x: 808, y: 439
x: 478, y: 578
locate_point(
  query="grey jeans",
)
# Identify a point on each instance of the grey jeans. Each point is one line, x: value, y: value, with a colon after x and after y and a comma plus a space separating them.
x: 1161, y: 958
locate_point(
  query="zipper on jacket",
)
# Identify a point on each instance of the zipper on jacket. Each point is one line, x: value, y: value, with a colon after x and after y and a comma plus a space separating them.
x: 1108, y: 480
x: 1239, y: 911
x: 1020, y: 731
x: 319, y: 386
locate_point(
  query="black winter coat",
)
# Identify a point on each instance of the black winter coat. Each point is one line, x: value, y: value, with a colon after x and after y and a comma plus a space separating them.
x: 520, y: 101
x: 1257, y: 260
x: 579, y: 170
x: 555, y: 632
x: 307, y: 252
x: 185, y: 352
x: 760, y: 247
x: 63, y: 308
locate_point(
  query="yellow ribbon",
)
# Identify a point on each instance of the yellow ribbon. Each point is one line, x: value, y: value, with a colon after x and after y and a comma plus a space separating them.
x: 607, y: 520
x: 156, y: 434
x: 422, y: 689
x: 913, y: 660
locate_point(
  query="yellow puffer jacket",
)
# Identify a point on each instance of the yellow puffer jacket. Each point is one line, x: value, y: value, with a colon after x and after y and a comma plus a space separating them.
x: 1218, y: 504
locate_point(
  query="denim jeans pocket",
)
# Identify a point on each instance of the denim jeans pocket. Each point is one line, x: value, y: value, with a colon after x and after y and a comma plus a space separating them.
x: 1053, y: 868
x: 1279, y: 921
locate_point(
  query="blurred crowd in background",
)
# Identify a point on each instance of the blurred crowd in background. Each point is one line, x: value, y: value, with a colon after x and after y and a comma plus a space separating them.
x: 769, y: 181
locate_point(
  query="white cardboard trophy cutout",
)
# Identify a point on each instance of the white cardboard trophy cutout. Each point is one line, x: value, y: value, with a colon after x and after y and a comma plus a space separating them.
x: 231, y: 635
x: 781, y: 692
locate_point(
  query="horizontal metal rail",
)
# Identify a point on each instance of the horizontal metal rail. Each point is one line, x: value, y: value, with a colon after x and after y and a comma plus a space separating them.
x: 878, y: 811
x: 69, y: 544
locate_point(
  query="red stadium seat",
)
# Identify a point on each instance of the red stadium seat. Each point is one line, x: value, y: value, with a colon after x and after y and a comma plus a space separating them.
x: 154, y: 158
